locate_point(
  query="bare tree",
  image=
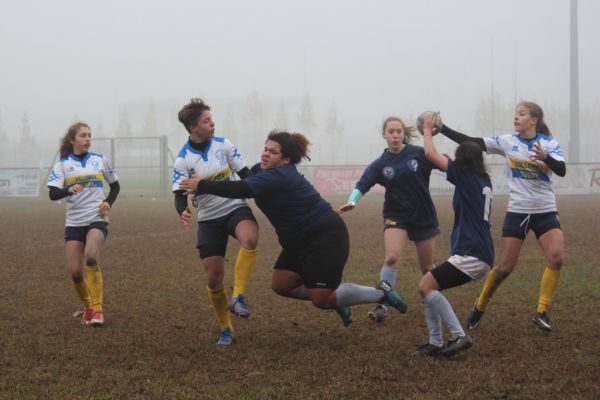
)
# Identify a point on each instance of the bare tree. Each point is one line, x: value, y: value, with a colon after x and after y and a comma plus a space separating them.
x: 149, y: 126
x: 3, y: 135
x: 229, y: 127
x: 334, y: 131
x: 26, y: 139
x: 281, y: 120
x: 124, y: 127
x: 306, y: 117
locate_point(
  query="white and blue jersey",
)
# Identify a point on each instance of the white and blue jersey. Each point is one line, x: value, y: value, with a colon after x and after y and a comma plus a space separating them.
x: 405, y: 177
x: 529, y: 181
x: 219, y: 161
x: 472, y: 203
x: 90, y: 172
x: 288, y: 200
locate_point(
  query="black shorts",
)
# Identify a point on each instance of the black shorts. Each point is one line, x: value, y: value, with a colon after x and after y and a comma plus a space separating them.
x: 415, y: 234
x: 448, y: 276
x: 213, y: 234
x: 79, y: 233
x: 517, y: 225
x: 318, y: 253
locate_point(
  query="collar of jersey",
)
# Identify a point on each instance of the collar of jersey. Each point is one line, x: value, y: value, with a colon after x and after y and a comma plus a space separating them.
x: 82, y: 160
x: 201, y: 153
x: 531, y: 142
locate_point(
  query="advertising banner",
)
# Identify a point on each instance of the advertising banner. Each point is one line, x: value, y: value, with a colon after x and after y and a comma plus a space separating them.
x: 19, y: 183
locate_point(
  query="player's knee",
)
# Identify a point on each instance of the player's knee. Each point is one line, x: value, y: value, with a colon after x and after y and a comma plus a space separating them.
x: 91, y: 261
x: 249, y: 243
x: 322, y: 302
x: 77, y: 278
x: 556, y: 260
x: 390, y: 259
x: 502, y: 274
x: 280, y: 290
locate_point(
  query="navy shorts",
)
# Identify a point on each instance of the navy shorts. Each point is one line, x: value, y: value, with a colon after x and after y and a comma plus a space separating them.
x: 318, y: 253
x: 415, y: 234
x: 517, y: 225
x: 214, y: 234
x: 79, y: 233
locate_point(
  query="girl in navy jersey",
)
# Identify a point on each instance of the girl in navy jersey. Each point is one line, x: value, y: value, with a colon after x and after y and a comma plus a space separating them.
x: 408, y: 211
x: 216, y: 159
x: 531, y: 155
x: 80, y: 175
x: 313, y: 237
x: 472, y: 248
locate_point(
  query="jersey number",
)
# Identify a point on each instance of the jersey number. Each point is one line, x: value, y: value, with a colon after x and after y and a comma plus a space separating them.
x: 487, y: 208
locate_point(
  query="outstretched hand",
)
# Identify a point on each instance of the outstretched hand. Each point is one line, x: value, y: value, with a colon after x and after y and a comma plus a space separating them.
x: 345, y: 207
x: 190, y: 184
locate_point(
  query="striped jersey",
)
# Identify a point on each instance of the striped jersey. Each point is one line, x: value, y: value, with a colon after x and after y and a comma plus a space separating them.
x: 90, y: 172
x: 529, y: 181
x: 219, y: 161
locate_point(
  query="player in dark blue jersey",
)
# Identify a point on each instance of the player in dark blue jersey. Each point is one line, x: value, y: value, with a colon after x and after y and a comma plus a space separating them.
x: 472, y: 249
x: 313, y: 237
x: 408, y: 211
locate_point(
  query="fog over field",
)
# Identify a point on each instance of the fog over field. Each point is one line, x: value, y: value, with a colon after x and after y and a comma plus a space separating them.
x: 330, y: 69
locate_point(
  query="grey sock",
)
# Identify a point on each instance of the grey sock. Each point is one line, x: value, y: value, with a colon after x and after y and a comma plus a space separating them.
x: 349, y: 294
x: 440, y: 304
x: 434, y: 325
x: 389, y: 274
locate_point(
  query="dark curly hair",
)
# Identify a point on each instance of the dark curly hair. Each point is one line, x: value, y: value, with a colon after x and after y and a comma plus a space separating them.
x: 293, y: 145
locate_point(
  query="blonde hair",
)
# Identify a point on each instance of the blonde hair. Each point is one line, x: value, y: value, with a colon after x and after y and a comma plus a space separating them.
x: 536, y: 111
x: 409, y: 131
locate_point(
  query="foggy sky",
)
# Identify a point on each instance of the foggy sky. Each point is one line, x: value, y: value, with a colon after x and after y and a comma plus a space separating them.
x: 62, y: 59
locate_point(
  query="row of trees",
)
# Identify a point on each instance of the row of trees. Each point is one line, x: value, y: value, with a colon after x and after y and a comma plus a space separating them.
x: 246, y: 122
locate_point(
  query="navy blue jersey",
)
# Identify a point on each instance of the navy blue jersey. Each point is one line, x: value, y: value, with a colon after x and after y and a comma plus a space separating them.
x: 288, y: 200
x: 405, y: 177
x: 472, y: 205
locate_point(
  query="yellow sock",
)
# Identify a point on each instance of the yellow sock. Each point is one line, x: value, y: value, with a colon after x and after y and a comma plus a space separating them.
x: 218, y: 299
x: 93, y: 276
x: 244, y: 265
x: 489, y: 287
x: 550, y: 280
x: 83, y: 291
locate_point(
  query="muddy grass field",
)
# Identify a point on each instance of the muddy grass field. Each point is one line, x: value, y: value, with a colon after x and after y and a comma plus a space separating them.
x: 159, y: 338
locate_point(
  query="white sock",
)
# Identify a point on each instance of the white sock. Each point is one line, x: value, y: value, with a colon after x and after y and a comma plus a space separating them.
x: 442, y: 307
x: 434, y: 325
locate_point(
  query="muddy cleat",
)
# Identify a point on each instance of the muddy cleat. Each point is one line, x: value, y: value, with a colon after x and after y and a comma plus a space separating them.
x: 474, y: 318
x: 379, y: 313
x: 344, y: 313
x: 391, y: 297
x: 542, y: 321
x: 428, y: 350
x: 237, y: 305
x: 225, y: 337
x: 456, y: 344
x: 97, y: 318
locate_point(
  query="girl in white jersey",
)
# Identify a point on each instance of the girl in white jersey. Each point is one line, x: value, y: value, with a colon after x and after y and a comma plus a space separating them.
x: 532, y: 155
x: 216, y: 159
x: 80, y: 175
